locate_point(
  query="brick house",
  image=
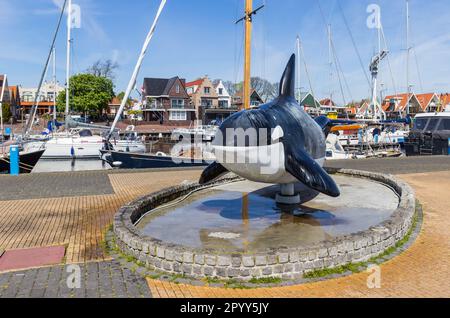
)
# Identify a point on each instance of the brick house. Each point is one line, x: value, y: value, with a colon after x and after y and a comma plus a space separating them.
x: 11, y: 96
x: 203, y: 97
x: 224, y: 107
x: 167, y: 102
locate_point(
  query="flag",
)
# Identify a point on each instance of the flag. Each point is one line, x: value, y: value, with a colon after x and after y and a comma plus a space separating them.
x: 75, y: 22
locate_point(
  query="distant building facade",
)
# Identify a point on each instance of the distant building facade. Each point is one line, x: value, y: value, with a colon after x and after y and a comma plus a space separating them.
x: 224, y: 108
x: 255, y: 99
x: 47, y: 98
x: 11, y: 96
x: 203, y: 97
x: 166, y: 101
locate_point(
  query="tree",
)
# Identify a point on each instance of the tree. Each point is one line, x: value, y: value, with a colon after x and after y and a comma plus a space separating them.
x: 6, y: 107
x: 103, y: 69
x: 264, y: 88
x: 88, y: 94
x: 121, y: 95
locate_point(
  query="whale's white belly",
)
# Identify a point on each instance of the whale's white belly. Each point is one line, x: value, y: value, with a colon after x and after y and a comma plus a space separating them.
x: 264, y: 164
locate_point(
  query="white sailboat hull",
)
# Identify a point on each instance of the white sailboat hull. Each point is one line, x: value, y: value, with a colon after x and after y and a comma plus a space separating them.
x: 69, y: 148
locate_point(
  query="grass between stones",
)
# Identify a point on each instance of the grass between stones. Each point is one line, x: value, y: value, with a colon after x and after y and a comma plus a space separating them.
x: 379, y: 259
x: 133, y: 264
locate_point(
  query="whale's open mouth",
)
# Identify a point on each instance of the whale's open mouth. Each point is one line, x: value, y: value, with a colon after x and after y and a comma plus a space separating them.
x: 260, y: 155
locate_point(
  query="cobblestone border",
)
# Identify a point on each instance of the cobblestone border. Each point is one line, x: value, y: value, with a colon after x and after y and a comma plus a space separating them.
x: 283, y: 263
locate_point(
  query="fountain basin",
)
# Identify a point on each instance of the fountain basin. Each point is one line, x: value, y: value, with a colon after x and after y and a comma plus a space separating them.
x: 234, y: 228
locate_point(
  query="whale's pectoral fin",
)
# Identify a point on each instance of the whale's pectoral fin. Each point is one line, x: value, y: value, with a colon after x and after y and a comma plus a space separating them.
x: 308, y: 171
x: 212, y: 172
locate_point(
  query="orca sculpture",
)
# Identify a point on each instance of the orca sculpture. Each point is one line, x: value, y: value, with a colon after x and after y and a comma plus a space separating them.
x: 278, y: 143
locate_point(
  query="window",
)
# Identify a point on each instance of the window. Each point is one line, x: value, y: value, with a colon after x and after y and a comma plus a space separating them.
x: 445, y: 124
x: 178, y: 103
x: 220, y: 91
x: 207, y: 103
x: 178, y: 115
x: 420, y: 123
x: 432, y: 125
x: 207, y: 90
x: 223, y: 104
x: 178, y: 89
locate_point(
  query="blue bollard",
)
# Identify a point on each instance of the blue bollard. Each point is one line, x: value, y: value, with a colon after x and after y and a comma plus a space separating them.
x: 14, y: 160
x: 449, y: 146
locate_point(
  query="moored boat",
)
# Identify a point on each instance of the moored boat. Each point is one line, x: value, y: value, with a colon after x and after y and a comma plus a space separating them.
x: 27, y: 161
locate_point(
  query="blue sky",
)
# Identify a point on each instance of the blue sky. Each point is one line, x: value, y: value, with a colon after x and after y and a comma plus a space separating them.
x: 198, y: 37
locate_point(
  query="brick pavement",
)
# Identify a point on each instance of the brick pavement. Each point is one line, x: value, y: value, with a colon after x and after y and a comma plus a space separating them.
x: 79, y: 219
x: 97, y: 280
x: 421, y: 271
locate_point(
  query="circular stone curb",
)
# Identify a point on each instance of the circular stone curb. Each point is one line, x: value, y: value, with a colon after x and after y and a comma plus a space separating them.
x: 285, y: 263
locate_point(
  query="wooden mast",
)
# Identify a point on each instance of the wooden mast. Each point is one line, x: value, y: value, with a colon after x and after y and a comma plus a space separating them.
x: 249, y: 12
x: 248, y: 53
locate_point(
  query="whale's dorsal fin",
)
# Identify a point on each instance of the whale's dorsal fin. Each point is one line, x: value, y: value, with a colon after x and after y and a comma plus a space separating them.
x: 300, y: 165
x: 287, y: 83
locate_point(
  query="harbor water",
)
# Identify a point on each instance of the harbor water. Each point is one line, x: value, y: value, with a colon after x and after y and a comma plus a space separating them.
x: 70, y: 165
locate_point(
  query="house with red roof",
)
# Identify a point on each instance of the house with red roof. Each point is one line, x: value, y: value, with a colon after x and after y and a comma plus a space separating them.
x: 429, y: 102
x: 395, y: 104
x: 11, y: 96
x: 444, y: 102
x: 204, y: 97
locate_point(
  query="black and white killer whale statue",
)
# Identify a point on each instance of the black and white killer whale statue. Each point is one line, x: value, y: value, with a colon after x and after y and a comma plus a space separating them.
x: 278, y: 143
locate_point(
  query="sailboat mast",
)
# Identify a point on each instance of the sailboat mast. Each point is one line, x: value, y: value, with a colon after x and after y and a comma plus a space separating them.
x: 54, y: 85
x: 248, y: 52
x: 1, y: 102
x: 330, y: 62
x: 407, y: 59
x: 69, y: 42
x: 299, y: 89
x: 137, y: 68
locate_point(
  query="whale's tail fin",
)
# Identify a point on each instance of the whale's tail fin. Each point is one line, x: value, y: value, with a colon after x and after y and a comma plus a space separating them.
x: 287, y: 83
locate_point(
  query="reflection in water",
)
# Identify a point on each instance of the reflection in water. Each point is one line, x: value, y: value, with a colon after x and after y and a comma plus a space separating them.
x: 70, y: 165
x: 250, y: 222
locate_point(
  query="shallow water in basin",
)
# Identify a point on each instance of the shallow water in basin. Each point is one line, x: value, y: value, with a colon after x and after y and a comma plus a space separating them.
x: 244, y: 217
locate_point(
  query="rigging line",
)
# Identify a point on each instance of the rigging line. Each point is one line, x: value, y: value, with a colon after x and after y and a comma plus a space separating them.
x: 338, y: 74
x: 263, y: 27
x: 389, y: 62
x: 354, y: 44
x: 349, y: 91
x: 236, y: 50
x: 306, y: 70
x: 36, y: 102
x: 418, y: 69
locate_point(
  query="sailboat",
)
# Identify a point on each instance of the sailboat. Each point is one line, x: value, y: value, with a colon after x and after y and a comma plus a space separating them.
x: 73, y: 143
x: 130, y: 160
x: 27, y: 159
x: 183, y: 156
